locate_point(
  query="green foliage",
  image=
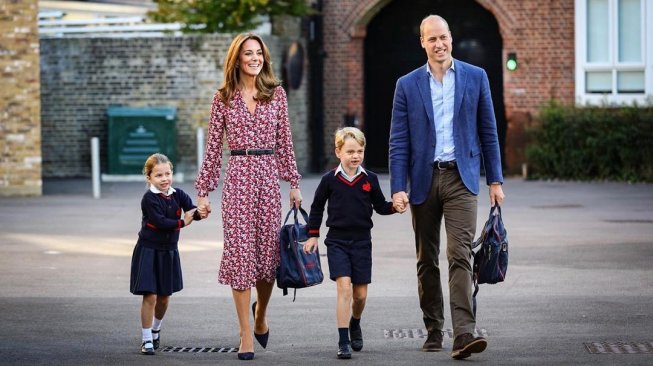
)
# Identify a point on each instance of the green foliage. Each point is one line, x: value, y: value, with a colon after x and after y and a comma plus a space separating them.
x: 591, y: 143
x: 223, y: 16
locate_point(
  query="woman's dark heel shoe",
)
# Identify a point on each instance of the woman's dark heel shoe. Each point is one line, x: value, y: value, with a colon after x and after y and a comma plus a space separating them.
x: 246, y: 356
x: 262, y: 339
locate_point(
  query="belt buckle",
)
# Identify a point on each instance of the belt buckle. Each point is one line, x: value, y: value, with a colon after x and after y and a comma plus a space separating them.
x: 440, y: 167
x: 247, y: 153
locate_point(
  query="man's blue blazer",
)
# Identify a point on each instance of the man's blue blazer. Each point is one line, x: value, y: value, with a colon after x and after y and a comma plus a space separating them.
x: 412, y: 132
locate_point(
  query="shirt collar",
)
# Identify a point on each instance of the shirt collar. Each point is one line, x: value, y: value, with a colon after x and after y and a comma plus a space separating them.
x: 452, y: 67
x: 156, y: 191
x: 358, y: 171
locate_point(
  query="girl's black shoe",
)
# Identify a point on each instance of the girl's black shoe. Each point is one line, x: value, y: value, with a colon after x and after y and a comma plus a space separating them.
x: 147, y: 348
x: 156, y: 341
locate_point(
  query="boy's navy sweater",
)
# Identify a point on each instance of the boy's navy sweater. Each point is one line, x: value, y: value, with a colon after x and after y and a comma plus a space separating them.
x: 162, y: 218
x: 350, y: 206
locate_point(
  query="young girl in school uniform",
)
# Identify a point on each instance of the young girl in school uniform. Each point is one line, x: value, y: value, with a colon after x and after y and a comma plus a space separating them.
x: 156, y: 269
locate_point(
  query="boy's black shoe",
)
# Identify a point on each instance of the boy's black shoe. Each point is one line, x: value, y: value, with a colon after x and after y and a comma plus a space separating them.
x: 147, y: 348
x: 156, y: 341
x: 344, y: 351
x: 356, y: 336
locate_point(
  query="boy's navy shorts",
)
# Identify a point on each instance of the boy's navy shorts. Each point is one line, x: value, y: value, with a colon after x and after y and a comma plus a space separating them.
x: 351, y: 258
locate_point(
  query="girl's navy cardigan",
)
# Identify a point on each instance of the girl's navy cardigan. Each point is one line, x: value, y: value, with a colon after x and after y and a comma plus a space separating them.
x: 162, y: 216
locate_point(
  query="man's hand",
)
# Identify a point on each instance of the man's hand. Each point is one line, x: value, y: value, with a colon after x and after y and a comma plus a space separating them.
x: 496, y: 194
x: 400, y: 201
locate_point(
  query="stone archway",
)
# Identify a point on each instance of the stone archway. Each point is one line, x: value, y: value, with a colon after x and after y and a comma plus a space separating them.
x: 391, y: 48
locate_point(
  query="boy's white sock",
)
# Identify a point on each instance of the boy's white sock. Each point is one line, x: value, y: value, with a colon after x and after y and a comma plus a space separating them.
x: 147, y: 334
x: 156, y: 326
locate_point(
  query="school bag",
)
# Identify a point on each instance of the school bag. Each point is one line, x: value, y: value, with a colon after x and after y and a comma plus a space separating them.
x: 296, y: 268
x: 491, y: 259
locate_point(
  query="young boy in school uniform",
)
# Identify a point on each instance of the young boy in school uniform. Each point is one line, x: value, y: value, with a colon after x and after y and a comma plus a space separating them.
x: 352, y: 193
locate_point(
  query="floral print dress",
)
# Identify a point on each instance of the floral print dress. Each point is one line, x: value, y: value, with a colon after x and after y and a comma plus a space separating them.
x: 251, y: 197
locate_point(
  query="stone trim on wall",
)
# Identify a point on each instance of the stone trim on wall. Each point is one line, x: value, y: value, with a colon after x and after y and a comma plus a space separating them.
x: 20, y: 122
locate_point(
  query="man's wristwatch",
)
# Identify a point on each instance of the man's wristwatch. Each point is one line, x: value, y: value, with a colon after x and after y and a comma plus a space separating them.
x: 493, y: 183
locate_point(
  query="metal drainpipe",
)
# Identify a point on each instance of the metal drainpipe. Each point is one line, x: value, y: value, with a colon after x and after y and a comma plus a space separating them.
x: 316, y: 55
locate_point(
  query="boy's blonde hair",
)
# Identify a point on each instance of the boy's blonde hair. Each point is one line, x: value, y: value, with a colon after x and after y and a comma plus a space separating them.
x: 351, y: 132
x: 152, y: 161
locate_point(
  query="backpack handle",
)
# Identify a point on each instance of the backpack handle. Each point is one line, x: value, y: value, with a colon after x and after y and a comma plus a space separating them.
x: 294, y: 210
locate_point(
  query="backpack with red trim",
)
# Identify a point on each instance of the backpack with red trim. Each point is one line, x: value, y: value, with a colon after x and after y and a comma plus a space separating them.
x: 297, y: 269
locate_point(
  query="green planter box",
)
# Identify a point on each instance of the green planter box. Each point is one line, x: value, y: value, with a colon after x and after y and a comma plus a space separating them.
x: 136, y: 133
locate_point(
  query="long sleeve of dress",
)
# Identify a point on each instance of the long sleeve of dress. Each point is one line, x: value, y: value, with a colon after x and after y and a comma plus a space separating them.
x: 286, y: 162
x: 209, y: 174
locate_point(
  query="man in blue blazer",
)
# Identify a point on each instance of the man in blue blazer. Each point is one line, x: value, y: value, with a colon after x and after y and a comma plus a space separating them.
x: 442, y: 124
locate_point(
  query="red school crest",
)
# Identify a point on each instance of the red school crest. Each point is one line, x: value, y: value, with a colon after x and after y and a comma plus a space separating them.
x: 367, y: 187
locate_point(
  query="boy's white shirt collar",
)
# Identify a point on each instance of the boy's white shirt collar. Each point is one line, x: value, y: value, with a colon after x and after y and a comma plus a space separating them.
x: 154, y: 190
x: 359, y: 171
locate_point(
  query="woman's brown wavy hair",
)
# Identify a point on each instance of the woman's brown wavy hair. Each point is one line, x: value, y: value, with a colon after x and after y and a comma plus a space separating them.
x: 265, y: 81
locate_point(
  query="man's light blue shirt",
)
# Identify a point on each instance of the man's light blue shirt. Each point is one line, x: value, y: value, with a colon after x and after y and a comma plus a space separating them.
x: 442, y: 99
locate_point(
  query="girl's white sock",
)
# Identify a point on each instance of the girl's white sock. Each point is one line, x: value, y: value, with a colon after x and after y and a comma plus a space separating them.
x: 156, y: 325
x: 147, y: 334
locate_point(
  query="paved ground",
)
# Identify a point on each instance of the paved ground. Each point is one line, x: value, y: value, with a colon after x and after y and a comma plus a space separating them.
x: 580, y: 272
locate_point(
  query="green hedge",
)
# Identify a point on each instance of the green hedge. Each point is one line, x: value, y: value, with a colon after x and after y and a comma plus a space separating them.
x: 592, y: 143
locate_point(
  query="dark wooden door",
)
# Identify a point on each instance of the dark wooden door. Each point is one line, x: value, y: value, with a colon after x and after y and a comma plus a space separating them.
x: 392, y: 49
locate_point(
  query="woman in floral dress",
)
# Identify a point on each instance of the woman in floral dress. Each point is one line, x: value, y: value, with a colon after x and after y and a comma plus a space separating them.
x: 251, y: 109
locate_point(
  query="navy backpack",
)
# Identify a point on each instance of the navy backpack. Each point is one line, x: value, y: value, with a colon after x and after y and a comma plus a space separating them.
x: 491, y: 259
x: 296, y: 268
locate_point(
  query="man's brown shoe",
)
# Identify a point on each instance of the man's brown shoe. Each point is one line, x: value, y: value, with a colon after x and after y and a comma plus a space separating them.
x: 433, y: 342
x: 465, y: 344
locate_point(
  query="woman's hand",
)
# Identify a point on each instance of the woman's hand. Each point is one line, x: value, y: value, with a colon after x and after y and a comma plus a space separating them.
x: 295, y: 198
x: 310, y: 245
x: 203, y: 206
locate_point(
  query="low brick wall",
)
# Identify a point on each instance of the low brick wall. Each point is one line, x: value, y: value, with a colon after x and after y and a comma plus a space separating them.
x: 81, y: 77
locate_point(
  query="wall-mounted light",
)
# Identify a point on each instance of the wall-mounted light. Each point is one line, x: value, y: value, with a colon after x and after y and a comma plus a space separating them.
x: 511, y: 63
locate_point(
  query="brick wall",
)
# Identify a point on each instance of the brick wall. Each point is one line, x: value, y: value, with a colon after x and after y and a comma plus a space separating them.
x: 541, y: 33
x: 20, y: 131
x: 81, y: 77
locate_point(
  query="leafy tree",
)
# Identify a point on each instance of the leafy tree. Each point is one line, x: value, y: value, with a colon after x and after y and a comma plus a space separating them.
x: 224, y: 16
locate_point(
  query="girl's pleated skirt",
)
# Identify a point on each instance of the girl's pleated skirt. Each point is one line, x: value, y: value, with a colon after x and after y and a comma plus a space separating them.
x: 155, y: 269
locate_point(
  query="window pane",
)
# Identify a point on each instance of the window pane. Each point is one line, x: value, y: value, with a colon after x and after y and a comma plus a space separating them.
x: 599, y: 82
x: 630, y: 41
x: 630, y: 82
x: 598, y: 41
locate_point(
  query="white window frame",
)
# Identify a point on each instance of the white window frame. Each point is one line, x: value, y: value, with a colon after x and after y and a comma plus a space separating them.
x: 582, y: 66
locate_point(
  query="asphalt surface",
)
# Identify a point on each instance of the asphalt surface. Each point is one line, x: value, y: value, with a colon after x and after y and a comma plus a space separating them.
x: 579, y: 280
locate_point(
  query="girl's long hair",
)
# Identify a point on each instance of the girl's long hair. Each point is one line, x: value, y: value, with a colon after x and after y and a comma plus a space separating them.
x: 265, y: 81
